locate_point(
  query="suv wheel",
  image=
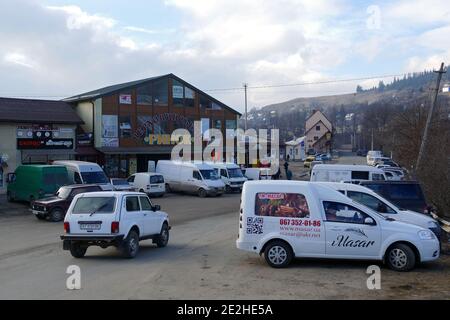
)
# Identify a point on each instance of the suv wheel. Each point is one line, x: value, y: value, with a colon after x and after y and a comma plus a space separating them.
x: 163, y: 238
x: 278, y: 254
x: 202, y: 193
x: 130, y: 246
x: 77, y: 250
x: 56, y: 215
x: 400, y: 257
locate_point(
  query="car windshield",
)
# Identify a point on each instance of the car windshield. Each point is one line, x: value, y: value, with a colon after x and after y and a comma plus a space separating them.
x: 120, y: 182
x: 94, y: 177
x: 235, y: 173
x: 209, y: 174
x: 63, y: 192
x: 88, y: 205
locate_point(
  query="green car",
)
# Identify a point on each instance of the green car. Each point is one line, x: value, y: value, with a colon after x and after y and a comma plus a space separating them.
x: 32, y: 182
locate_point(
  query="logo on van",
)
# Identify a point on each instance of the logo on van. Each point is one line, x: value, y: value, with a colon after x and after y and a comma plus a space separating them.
x: 346, y: 241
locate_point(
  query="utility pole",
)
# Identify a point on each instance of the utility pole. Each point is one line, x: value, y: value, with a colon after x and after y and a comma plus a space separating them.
x: 372, y: 140
x: 246, y: 115
x: 430, y: 116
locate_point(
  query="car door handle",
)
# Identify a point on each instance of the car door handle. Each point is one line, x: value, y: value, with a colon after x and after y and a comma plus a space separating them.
x: 336, y: 229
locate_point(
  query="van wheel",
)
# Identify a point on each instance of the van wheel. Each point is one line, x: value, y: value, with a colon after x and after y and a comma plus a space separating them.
x: 57, y: 215
x: 278, y: 254
x: 168, y: 188
x: 163, y: 238
x: 9, y: 197
x: 202, y: 193
x: 228, y: 189
x: 77, y: 251
x: 400, y: 257
x: 130, y: 246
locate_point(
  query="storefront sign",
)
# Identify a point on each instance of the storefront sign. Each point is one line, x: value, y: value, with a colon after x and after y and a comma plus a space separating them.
x: 110, y: 142
x: 38, y: 144
x: 85, y: 139
x: 125, y: 99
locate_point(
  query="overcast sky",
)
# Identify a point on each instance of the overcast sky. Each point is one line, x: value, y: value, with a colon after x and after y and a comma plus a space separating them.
x: 58, y: 48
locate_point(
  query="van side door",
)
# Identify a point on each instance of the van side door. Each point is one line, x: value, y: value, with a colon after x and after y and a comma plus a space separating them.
x: 347, y: 232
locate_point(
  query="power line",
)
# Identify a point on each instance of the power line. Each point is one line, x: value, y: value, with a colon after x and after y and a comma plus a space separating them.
x: 241, y: 88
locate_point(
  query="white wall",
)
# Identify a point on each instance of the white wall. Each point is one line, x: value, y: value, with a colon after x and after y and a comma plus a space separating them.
x: 8, y: 145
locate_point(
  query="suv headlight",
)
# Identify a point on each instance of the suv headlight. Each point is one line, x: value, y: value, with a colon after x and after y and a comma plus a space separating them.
x: 425, y: 235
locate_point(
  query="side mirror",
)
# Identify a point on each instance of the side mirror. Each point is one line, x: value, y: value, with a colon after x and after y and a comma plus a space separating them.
x: 156, y: 207
x: 369, y: 221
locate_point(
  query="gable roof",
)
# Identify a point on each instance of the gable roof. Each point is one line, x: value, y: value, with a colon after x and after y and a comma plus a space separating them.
x: 113, y: 89
x: 37, y: 111
x: 330, y: 127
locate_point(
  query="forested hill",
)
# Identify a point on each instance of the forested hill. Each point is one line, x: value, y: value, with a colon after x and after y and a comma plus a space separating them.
x: 290, y: 116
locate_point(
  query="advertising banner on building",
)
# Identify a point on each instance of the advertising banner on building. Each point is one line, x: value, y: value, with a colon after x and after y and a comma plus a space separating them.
x: 39, y: 144
x: 125, y: 99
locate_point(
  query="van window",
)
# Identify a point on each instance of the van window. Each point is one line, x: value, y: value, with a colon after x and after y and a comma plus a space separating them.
x: 370, y: 201
x: 77, y: 178
x: 196, y: 175
x: 93, y: 177
x: 291, y: 205
x: 377, y: 177
x: 360, y: 175
x: 132, y: 204
x: 157, y: 179
x: 131, y: 179
x: 340, y: 212
x: 405, y: 191
x: 223, y: 173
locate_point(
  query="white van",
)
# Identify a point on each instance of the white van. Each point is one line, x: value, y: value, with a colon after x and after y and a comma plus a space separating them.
x: 81, y: 172
x: 345, y: 172
x: 190, y: 177
x: 152, y: 184
x: 257, y: 173
x: 287, y: 219
x: 231, y: 175
x: 371, y: 155
x: 379, y: 204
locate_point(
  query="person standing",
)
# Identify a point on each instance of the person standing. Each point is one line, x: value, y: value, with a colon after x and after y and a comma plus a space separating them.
x: 286, y: 167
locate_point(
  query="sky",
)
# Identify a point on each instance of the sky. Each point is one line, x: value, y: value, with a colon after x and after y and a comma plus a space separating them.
x: 57, y: 48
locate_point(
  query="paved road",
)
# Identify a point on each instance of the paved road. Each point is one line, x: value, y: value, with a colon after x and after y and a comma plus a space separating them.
x: 200, y: 262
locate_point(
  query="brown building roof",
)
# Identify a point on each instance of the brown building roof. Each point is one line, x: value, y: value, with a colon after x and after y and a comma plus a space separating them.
x: 37, y: 111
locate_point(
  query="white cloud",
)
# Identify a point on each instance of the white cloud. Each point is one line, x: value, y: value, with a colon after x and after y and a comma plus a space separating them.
x: 19, y: 59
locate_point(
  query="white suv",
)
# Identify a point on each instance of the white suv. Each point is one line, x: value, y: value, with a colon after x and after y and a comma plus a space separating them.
x: 119, y: 219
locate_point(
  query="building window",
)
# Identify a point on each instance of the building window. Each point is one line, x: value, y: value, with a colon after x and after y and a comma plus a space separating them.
x: 216, y: 106
x: 144, y: 95
x: 125, y: 126
x: 217, y: 124
x: 160, y: 93
x: 316, y: 138
x: 317, y: 128
x: 178, y: 93
x: 205, y: 103
x: 189, y: 97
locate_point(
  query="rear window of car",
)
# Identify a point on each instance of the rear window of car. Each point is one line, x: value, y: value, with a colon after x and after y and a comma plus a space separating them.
x: 292, y: 205
x: 156, y: 179
x: 94, y: 205
x: 405, y: 191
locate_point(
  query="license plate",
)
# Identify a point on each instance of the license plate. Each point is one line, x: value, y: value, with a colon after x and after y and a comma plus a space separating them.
x: 90, y: 226
x: 154, y: 187
x: 36, y: 212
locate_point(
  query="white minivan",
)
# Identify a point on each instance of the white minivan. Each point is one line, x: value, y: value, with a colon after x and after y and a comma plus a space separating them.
x: 287, y: 219
x: 81, y: 172
x: 371, y: 155
x: 190, y: 177
x: 231, y: 175
x: 150, y: 183
x: 379, y: 204
x: 345, y: 172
